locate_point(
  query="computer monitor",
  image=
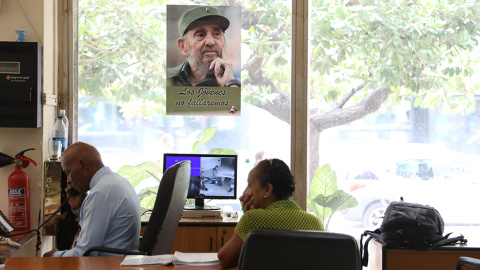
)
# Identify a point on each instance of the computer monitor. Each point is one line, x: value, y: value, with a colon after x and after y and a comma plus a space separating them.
x: 212, y: 177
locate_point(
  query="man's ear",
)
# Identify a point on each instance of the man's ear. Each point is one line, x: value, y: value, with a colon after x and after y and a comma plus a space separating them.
x: 182, y: 46
x: 83, y: 163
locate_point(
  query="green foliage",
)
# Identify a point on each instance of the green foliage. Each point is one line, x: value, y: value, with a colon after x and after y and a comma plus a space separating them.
x: 422, y: 48
x: 220, y: 151
x: 137, y: 174
x: 207, y: 135
x: 121, y: 52
x: 325, y: 197
x: 147, y: 198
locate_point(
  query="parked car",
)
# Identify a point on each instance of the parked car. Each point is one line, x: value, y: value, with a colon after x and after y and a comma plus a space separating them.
x: 420, y: 173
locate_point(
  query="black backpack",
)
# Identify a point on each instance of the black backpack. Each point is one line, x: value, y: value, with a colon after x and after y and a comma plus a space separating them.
x: 409, y: 225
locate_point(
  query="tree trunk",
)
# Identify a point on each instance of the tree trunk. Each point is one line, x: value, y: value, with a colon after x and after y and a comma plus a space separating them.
x: 319, y: 122
x: 342, y: 116
x: 314, y: 153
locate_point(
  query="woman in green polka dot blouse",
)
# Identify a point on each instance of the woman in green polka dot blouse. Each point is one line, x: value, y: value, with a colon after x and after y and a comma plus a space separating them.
x: 265, y: 204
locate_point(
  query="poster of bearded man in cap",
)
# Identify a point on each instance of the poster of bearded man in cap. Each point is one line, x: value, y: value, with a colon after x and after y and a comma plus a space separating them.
x: 203, y: 60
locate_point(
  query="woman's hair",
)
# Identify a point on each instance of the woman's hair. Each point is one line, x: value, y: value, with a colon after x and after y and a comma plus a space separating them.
x: 277, y: 173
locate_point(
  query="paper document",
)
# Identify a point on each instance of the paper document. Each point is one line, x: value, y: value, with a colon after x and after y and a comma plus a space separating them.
x: 147, y: 260
x: 183, y: 259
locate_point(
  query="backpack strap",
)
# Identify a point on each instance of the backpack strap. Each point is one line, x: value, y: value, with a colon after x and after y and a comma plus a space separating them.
x: 449, y: 241
x: 364, y: 248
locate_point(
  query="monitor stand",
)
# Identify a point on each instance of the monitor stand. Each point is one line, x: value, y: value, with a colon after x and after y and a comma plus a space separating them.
x: 200, y: 205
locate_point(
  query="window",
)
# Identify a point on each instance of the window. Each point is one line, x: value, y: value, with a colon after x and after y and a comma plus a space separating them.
x: 391, y: 92
x: 393, y: 101
x: 122, y: 87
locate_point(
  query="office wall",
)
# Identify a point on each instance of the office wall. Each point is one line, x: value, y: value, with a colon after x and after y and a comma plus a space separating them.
x: 37, y: 17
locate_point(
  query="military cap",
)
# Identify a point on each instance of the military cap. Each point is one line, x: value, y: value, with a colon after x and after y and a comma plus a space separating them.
x: 195, y: 14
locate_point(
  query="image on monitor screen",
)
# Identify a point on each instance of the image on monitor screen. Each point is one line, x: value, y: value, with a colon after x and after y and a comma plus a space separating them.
x: 211, y: 177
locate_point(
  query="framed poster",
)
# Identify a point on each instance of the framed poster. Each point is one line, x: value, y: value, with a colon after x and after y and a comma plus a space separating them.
x: 203, y: 60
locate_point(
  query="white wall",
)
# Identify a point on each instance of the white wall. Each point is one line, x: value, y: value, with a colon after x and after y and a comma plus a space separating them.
x: 37, y: 18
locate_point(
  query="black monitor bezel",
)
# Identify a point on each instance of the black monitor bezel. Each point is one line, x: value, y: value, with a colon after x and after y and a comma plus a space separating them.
x: 209, y: 197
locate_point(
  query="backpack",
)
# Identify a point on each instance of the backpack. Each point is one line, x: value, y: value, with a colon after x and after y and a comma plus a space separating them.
x: 409, y: 225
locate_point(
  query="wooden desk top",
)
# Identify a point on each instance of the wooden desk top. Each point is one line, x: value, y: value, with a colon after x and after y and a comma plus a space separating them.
x: 441, y: 258
x: 85, y: 263
x: 471, y: 245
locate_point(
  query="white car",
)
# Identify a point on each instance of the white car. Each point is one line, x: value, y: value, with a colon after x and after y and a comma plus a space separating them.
x: 420, y: 173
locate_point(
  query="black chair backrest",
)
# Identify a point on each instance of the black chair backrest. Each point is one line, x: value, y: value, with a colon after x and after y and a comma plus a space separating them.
x: 167, y: 211
x: 284, y: 249
x: 468, y: 261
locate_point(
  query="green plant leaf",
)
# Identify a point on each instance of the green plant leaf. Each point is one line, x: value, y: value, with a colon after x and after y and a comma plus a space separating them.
x: 338, y: 201
x: 147, y: 198
x: 325, y: 197
x: 147, y: 191
x: 324, y: 181
x: 136, y: 174
x: 207, y: 135
x: 220, y: 151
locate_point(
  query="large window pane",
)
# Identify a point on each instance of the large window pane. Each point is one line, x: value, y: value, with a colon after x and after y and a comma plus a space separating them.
x: 394, y: 108
x: 122, y: 86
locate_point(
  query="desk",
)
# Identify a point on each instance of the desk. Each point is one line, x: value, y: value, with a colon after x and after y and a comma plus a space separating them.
x: 84, y: 263
x: 198, y: 222
x: 442, y: 258
x: 26, y: 249
x: 200, y: 234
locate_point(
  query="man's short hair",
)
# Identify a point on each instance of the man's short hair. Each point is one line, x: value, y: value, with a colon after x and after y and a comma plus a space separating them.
x: 201, y: 13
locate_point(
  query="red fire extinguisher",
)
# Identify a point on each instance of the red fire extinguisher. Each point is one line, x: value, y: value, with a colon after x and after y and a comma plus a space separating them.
x: 19, y: 193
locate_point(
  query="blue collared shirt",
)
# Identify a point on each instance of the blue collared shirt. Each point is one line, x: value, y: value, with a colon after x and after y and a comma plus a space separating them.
x: 109, y: 216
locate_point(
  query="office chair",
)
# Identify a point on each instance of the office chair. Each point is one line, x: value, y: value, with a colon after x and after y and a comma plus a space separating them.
x: 468, y: 261
x: 167, y: 211
x: 284, y: 249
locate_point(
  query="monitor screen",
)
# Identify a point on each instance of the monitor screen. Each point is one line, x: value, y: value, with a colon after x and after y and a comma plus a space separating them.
x: 211, y: 177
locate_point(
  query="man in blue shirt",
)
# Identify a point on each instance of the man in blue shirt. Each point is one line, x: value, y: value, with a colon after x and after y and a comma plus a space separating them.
x: 109, y: 213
